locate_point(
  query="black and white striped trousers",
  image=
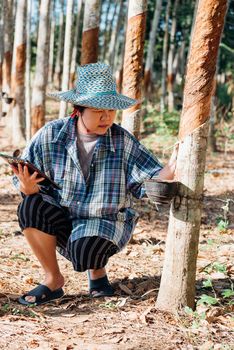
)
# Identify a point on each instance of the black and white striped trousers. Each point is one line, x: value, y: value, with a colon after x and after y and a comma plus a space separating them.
x: 84, y: 253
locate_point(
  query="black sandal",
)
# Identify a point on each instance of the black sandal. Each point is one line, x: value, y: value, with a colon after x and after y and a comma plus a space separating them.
x: 42, y: 295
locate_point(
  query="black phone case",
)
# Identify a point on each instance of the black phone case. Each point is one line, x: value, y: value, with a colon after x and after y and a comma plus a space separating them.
x: 31, y: 168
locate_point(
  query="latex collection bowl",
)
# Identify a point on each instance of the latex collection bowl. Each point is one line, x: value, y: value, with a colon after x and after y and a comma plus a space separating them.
x: 161, y: 192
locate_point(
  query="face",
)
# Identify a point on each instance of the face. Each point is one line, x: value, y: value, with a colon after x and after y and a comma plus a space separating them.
x: 96, y: 121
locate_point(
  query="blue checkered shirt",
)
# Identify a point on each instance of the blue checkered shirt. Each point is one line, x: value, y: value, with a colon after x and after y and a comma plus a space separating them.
x: 101, y: 205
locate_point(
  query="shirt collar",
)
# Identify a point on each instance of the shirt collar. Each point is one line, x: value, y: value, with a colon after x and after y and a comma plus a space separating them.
x: 68, y: 134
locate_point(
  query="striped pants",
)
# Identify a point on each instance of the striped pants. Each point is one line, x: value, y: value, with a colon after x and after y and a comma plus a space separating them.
x: 84, y: 253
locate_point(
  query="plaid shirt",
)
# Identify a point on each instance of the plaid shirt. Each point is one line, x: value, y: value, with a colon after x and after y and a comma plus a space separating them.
x: 100, y: 206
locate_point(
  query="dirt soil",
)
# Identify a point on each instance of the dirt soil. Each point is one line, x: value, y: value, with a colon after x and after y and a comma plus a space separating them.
x: 128, y: 320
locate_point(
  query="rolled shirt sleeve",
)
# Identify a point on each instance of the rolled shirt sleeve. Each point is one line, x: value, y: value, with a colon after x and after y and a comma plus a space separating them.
x: 142, y: 165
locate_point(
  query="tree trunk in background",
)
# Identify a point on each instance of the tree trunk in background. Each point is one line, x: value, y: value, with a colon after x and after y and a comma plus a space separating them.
x: 170, y: 71
x: 193, y: 23
x: 1, y: 53
x: 151, y: 48
x: 177, y: 287
x: 110, y: 30
x: 89, y: 50
x: 8, y: 45
x: 41, y: 72
x: 17, y: 76
x: 51, y: 50
x: 212, y: 139
x: 114, y: 34
x: 133, y: 66
x: 66, y: 56
x: 27, y: 75
x: 164, y: 60
x: 105, y: 32
x: 75, y: 46
x: 181, y: 62
x: 59, y: 55
x: 119, y: 60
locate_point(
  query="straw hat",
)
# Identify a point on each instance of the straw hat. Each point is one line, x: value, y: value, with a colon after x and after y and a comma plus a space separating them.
x: 95, y: 88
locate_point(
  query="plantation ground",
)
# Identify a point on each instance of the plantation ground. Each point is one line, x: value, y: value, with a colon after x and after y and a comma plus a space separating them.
x: 129, y: 320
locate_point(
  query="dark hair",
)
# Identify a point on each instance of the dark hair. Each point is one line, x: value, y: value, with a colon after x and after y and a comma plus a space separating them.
x: 79, y: 108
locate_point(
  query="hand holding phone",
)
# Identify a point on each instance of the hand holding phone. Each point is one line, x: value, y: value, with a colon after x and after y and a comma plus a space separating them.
x: 28, y: 182
x: 14, y: 162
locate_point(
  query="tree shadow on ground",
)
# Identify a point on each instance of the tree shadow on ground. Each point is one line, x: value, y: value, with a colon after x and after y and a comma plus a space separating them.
x: 132, y: 290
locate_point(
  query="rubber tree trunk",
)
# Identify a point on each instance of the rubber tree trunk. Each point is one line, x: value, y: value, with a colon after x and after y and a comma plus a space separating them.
x: 105, y: 31
x: 151, y: 48
x: 41, y: 73
x: 164, y: 60
x: 193, y: 23
x: 171, y: 54
x: 18, y: 75
x: 28, y: 75
x: 76, y: 44
x: 177, y: 287
x: 119, y: 59
x: 114, y: 34
x: 8, y: 45
x: 89, y: 50
x: 109, y: 30
x: 133, y: 66
x: 1, y: 53
x: 51, y: 50
x: 66, y: 56
x: 59, y: 55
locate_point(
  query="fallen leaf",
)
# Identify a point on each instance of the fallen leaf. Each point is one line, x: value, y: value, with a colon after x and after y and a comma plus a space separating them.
x: 125, y: 289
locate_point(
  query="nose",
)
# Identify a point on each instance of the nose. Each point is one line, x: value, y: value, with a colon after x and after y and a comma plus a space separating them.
x: 105, y: 115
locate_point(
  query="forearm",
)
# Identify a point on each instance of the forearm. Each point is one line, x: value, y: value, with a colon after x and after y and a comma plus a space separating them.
x: 167, y: 173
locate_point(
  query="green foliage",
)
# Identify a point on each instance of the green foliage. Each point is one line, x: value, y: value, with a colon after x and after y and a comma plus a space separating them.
x: 207, y: 299
x: 196, y: 317
x: 228, y: 293
x: 162, y: 123
x: 223, y: 94
x: 9, y: 309
x: 222, y: 224
x: 207, y: 283
x: 216, y: 267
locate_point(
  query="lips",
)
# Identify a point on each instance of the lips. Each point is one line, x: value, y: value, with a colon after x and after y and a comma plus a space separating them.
x: 103, y: 126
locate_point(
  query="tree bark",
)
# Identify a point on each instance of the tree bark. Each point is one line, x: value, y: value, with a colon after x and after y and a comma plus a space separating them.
x: 41, y: 73
x: 66, y: 56
x: 89, y: 51
x: 133, y: 65
x: 105, y: 31
x: 164, y: 60
x: 51, y: 50
x: 59, y: 55
x: 1, y: 53
x: 17, y: 76
x: 171, y: 54
x: 177, y: 287
x: 114, y: 34
x: 76, y: 44
x: 28, y: 75
x: 151, y: 48
x: 8, y: 45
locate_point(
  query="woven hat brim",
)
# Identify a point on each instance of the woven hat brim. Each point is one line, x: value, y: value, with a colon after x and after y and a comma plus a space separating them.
x: 115, y: 102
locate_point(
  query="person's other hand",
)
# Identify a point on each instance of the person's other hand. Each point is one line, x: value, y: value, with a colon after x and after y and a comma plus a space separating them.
x: 28, y: 182
x: 173, y: 158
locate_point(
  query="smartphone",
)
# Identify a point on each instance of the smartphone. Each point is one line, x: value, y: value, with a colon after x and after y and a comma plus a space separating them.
x: 31, y: 169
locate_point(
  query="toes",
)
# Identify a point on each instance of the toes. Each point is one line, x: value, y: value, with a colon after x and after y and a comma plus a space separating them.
x: 30, y: 298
